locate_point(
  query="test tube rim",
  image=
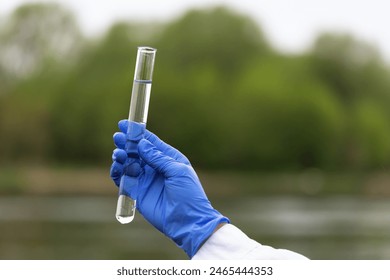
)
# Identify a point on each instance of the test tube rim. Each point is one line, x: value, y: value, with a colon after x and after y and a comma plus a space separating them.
x: 147, y: 49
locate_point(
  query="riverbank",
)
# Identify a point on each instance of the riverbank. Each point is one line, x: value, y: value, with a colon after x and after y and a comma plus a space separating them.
x: 46, y: 180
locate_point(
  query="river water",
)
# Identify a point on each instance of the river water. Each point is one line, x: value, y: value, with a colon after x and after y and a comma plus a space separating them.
x: 342, y: 227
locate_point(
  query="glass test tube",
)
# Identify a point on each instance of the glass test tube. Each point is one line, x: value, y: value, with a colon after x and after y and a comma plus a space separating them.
x: 139, y: 105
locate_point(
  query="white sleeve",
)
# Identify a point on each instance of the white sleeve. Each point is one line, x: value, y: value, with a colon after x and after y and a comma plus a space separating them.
x: 230, y: 243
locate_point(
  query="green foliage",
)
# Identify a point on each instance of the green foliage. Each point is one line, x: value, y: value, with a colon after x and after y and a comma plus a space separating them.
x: 292, y: 120
x: 218, y: 37
x: 220, y: 93
x: 372, y: 135
x: 86, y: 105
x: 350, y: 67
x: 36, y: 34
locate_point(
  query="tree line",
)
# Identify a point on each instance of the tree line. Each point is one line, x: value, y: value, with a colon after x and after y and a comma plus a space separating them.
x: 221, y: 93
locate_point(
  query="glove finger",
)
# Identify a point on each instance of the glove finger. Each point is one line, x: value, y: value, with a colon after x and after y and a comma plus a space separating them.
x: 157, y: 159
x: 123, y: 125
x: 120, y: 140
x: 116, y: 172
x: 119, y: 155
x: 166, y: 148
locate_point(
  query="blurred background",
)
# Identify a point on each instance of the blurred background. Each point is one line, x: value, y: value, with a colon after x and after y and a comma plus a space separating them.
x: 291, y: 139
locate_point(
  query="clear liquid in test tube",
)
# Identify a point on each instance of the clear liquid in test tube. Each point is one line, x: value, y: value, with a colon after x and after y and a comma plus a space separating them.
x: 139, y: 106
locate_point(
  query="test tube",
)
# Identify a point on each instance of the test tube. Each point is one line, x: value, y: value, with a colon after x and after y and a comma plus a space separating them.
x: 139, y: 106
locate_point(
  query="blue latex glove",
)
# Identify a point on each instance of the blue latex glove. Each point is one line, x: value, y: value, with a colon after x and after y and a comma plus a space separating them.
x: 169, y: 194
x: 126, y: 159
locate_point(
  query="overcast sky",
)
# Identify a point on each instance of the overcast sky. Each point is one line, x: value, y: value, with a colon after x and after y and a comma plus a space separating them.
x: 290, y: 25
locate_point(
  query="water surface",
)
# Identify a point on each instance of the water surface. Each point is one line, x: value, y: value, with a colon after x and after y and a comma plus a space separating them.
x: 85, y: 228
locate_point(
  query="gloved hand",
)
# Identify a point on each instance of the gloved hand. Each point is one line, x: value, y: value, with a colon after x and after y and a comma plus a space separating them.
x: 169, y: 194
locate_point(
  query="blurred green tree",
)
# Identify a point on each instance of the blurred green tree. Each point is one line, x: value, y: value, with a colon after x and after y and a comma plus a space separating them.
x: 340, y: 60
x: 218, y: 37
x: 36, y: 33
x: 356, y: 73
x: 202, y: 54
x: 38, y: 44
x: 95, y: 97
x: 283, y: 117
